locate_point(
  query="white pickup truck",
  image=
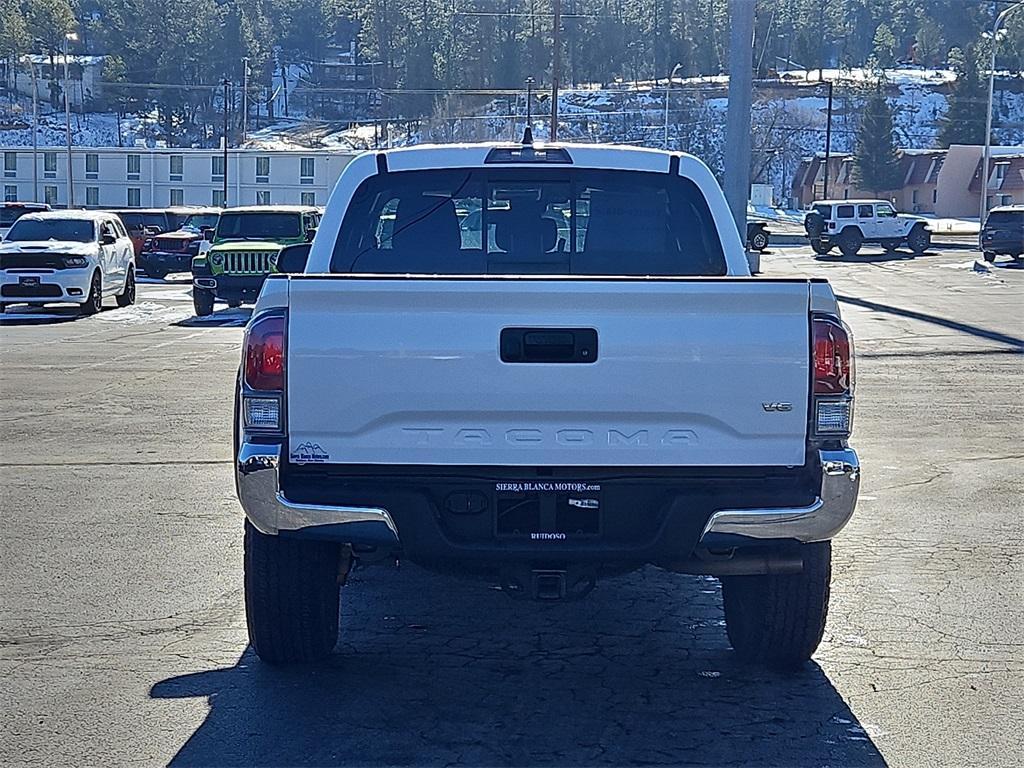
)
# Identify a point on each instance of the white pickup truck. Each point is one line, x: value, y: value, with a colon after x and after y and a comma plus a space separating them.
x: 541, y: 365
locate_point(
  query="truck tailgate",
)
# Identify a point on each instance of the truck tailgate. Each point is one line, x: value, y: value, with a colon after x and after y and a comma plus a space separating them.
x: 410, y: 371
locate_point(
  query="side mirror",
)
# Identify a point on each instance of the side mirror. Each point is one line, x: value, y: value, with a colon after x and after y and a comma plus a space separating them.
x: 208, y: 234
x: 291, y: 260
x: 310, y: 234
x: 107, y: 239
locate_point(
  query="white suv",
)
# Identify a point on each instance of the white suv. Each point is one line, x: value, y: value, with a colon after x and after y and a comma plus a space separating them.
x: 67, y: 256
x: 849, y: 224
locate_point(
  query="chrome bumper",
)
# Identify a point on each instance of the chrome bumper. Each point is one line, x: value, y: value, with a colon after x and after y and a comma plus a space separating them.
x: 840, y: 481
x: 259, y: 490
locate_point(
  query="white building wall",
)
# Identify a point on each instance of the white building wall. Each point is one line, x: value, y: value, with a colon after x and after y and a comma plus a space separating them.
x: 152, y: 186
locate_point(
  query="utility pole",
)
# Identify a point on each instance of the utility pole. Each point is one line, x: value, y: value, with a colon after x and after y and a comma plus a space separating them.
x: 987, y: 154
x: 35, y: 133
x: 737, y: 127
x: 828, y: 138
x: 67, y: 117
x: 668, y: 86
x: 556, y: 62
x: 528, y: 133
x: 245, y: 98
x: 226, y: 83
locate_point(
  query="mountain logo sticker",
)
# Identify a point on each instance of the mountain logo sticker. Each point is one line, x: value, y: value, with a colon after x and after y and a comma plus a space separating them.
x: 309, y: 453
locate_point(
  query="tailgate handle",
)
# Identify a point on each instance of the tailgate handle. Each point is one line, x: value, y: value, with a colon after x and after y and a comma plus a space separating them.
x: 548, y: 345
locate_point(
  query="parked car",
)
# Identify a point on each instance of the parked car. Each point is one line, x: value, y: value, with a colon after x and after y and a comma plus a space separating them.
x: 543, y: 410
x: 11, y: 212
x: 174, y: 251
x: 1003, y: 233
x: 244, y: 251
x: 757, y: 234
x: 67, y: 256
x: 849, y: 224
x: 145, y: 223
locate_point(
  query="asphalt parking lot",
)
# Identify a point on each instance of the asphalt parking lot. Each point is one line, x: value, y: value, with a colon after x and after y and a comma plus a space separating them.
x: 122, y: 630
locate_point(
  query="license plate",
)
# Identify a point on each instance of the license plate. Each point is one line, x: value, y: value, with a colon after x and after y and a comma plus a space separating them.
x: 28, y: 281
x: 548, y: 510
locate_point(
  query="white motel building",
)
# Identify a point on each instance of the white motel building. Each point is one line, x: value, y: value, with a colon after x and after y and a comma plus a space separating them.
x: 134, y: 177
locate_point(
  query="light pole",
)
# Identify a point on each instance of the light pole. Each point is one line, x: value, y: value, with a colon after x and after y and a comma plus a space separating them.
x: 35, y: 132
x: 555, y: 70
x: 245, y: 98
x: 67, y: 117
x: 983, y: 206
x: 226, y: 83
x: 668, y: 85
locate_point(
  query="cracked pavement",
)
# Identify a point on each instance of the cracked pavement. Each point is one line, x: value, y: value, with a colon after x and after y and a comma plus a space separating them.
x: 122, y: 629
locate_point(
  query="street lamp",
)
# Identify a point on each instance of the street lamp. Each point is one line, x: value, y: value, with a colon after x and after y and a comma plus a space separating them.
x: 983, y: 206
x: 668, y: 85
x: 67, y: 116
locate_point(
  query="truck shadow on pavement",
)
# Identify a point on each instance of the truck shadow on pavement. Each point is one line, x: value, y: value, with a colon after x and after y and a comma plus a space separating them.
x: 436, y: 671
x: 228, y: 317
x: 46, y: 315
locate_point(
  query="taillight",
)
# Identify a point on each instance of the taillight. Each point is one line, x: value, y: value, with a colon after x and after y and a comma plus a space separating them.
x: 263, y: 373
x: 832, y: 356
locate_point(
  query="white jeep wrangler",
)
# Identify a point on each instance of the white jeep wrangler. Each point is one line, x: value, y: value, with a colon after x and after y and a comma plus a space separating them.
x: 849, y: 224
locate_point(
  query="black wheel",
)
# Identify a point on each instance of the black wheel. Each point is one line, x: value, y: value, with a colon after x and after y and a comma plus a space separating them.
x: 759, y: 240
x: 819, y: 247
x: 779, y: 620
x: 890, y: 245
x: 127, y: 297
x: 291, y: 597
x: 94, y: 302
x: 989, y: 256
x: 850, y: 242
x: 202, y: 300
x: 235, y: 303
x: 156, y: 274
x: 919, y: 240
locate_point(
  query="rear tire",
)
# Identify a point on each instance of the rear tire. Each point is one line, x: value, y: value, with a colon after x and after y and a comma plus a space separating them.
x: 291, y: 597
x: 235, y: 303
x: 127, y: 297
x: 202, y: 300
x: 778, y: 620
x: 989, y: 256
x: 156, y: 274
x: 94, y: 301
x: 850, y: 242
x: 919, y: 240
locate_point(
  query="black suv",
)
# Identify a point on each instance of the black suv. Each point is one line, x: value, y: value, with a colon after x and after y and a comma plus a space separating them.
x: 1003, y: 232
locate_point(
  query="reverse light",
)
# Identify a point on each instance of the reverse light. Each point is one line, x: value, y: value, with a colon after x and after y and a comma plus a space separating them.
x: 833, y: 417
x: 262, y: 413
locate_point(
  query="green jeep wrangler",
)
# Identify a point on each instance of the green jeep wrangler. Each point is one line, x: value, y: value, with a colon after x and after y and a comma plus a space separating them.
x: 244, y: 251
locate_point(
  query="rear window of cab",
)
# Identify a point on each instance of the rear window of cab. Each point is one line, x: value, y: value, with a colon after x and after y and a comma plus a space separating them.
x: 515, y: 221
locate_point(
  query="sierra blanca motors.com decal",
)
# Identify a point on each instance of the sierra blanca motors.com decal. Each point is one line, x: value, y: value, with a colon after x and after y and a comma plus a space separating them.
x: 308, y: 453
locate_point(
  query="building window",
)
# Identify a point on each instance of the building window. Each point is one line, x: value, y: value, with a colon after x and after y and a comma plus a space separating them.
x: 50, y: 194
x: 935, y: 196
x: 913, y: 196
x: 217, y: 168
x: 218, y: 198
x: 92, y: 166
x: 92, y: 196
x: 177, y: 167
x: 134, y: 167
x: 134, y: 197
x: 10, y: 164
x: 263, y: 197
x: 307, y: 169
x: 10, y: 193
x: 307, y: 198
x: 50, y: 165
x: 1001, y: 171
x: 177, y: 197
x: 263, y: 170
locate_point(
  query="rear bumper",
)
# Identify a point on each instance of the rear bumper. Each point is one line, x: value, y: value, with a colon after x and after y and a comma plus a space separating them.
x: 259, y: 487
x: 166, y: 261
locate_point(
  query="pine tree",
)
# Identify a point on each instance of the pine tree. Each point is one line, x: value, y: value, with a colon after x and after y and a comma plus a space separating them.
x: 876, y: 165
x: 964, y: 121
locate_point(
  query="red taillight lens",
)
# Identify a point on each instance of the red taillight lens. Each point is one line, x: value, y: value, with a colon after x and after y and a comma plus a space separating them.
x: 264, y: 354
x: 833, y: 358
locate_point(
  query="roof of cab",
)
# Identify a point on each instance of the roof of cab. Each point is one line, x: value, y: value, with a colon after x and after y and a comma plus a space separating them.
x: 851, y: 201
x: 272, y: 209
